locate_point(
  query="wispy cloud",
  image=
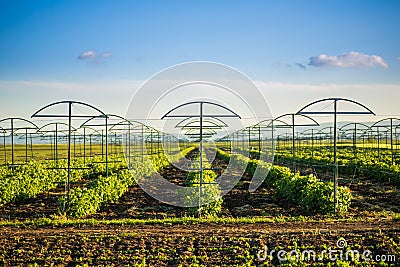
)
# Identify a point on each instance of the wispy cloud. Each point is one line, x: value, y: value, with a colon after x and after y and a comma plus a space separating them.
x: 300, y: 65
x: 93, y: 57
x: 288, y: 65
x: 85, y: 55
x: 106, y: 55
x: 348, y: 60
x: 282, y: 64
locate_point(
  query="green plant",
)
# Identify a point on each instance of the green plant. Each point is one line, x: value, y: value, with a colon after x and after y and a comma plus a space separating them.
x: 312, y: 195
x: 211, y: 193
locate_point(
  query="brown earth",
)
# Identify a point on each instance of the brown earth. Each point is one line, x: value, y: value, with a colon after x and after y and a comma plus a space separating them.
x: 207, y: 244
x: 174, y: 245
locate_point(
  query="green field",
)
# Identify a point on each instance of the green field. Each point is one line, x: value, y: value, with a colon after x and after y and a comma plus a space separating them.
x: 114, y: 222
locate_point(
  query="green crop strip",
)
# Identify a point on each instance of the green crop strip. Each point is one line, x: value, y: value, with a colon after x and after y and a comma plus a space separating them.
x: 312, y: 195
x: 35, y: 177
x: 88, y: 200
x: 211, y: 194
x: 368, y: 163
x: 62, y: 221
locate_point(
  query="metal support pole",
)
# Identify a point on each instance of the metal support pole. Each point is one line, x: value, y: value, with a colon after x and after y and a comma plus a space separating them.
x: 26, y: 144
x: 129, y: 145
x: 56, y: 142
x: 259, y: 139
x: 293, y: 145
x: 355, y: 140
x: 69, y: 149
x: 379, y: 137
x: 30, y: 137
x: 102, y: 144
x: 84, y: 145
x: 201, y: 157
x: 115, y: 144
x: 5, y: 148
x: 335, y: 172
x: 90, y: 145
x: 151, y: 141
x: 249, y: 138
x: 12, y: 144
x: 52, y: 147
x: 312, y: 143
x: 142, y: 143
x: 158, y: 142
x: 391, y: 139
x: 74, y: 145
x: 106, y: 146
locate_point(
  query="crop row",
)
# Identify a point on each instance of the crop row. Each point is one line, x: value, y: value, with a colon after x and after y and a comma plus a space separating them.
x: 312, y: 195
x: 35, y: 177
x: 377, y: 168
x: 210, y: 198
x: 88, y: 200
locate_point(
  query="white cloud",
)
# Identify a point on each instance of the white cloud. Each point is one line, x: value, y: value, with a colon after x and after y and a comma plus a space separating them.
x: 106, y: 54
x: 92, y: 57
x: 349, y: 60
x: 89, y: 54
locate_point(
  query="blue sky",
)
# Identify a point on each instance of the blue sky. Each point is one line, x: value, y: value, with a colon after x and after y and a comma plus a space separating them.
x: 101, y: 51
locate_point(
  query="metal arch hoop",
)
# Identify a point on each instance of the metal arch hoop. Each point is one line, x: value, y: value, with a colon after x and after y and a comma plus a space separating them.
x: 201, y: 116
x: 200, y: 102
x: 56, y: 131
x: 93, y: 129
x: 4, y: 144
x: 271, y: 122
x: 335, y: 113
x: 21, y: 119
x: 70, y: 116
x: 390, y: 128
x: 123, y: 120
x: 209, y: 120
x: 129, y: 123
x: 352, y: 123
x: 293, y: 125
x: 96, y: 117
x: 296, y: 114
x: 13, y: 130
x: 126, y: 122
x: 369, y: 111
x: 207, y: 130
x: 106, y: 125
x: 213, y: 125
x: 386, y: 119
x: 53, y: 123
x: 36, y: 114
